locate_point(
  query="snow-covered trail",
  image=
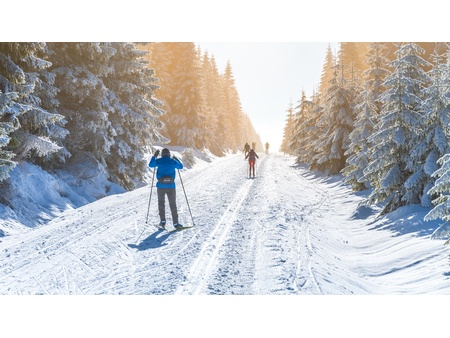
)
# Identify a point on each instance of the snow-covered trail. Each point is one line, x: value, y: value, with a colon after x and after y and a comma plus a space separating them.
x: 285, y: 232
x: 260, y: 244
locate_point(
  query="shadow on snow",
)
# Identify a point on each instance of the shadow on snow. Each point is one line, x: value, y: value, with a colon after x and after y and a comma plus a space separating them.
x: 153, y: 241
x: 405, y: 220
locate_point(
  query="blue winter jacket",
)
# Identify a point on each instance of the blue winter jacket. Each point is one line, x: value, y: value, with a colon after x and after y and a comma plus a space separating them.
x: 166, y: 167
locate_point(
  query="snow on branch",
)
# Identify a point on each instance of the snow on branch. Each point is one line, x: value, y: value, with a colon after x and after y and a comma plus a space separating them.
x: 15, y: 73
x: 41, y: 145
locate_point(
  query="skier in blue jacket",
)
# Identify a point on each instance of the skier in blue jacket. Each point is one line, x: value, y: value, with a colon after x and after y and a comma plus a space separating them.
x: 165, y: 174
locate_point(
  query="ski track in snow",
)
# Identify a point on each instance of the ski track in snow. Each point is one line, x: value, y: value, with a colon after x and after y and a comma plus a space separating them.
x: 202, y: 267
x: 251, y: 237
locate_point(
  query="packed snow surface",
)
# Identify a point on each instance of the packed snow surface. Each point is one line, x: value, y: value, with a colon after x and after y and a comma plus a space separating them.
x: 288, y: 232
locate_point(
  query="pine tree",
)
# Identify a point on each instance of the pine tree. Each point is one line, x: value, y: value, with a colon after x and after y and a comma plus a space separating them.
x: 376, y: 73
x: 351, y: 55
x: 184, y: 121
x: 249, y: 132
x: 327, y: 72
x: 178, y: 67
x: 304, y: 126
x: 433, y: 141
x: 39, y: 128
x: 397, y: 131
x: 288, y: 130
x: 233, y: 114
x: 134, y: 114
x: 213, y: 132
x: 439, y: 108
x: 312, y: 127
x: 337, y: 120
x: 83, y: 97
x: 367, y: 109
x: 9, y: 110
x: 441, y: 189
x: 162, y: 59
x: 358, y: 151
x: 296, y: 129
x: 55, y: 127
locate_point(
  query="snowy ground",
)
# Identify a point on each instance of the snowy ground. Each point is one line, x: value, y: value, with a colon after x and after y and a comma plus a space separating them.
x: 289, y: 232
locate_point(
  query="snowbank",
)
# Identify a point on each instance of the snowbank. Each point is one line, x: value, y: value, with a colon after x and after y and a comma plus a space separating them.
x: 36, y: 196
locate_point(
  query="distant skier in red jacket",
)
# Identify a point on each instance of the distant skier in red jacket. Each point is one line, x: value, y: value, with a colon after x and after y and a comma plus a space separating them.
x: 252, y: 155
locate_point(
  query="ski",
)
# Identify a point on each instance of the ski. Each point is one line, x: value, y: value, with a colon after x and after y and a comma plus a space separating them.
x: 183, y: 228
x: 174, y: 229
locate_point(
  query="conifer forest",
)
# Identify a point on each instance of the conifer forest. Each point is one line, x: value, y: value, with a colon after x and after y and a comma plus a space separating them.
x: 110, y: 103
x: 380, y: 117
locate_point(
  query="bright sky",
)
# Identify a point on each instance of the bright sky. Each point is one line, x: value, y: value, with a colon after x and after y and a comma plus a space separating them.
x: 270, y: 75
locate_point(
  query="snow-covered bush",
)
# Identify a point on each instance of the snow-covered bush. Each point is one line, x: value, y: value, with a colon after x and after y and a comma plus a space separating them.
x: 188, y: 157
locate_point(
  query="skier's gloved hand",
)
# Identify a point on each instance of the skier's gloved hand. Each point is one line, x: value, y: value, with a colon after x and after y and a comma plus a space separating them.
x: 156, y: 153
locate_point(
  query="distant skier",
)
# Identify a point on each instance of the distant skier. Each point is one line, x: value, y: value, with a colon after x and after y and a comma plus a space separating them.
x: 252, y: 155
x: 246, y: 149
x: 165, y: 174
x: 253, y: 145
x: 267, y: 148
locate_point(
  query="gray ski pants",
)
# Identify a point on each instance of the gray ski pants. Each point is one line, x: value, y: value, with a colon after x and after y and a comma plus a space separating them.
x: 171, y: 196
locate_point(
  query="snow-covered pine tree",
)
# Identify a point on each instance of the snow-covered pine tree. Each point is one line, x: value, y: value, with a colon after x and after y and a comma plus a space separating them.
x: 433, y: 141
x: 352, y: 55
x: 441, y: 189
x: 397, y: 131
x: 304, y: 126
x: 188, y: 157
x: 249, y: 132
x: 162, y: 60
x: 287, y: 131
x: 212, y: 129
x: 233, y: 115
x: 368, y: 107
x: 376, y: 73
x: 358, y: 151
x: 311, y: 127
x: 79, y: 69
x: 47, y: 93
x: 134, y: 114
x: 9, y: 110
x: 183, y: 121
x: 39, y: 126
x: 296, y: 128
x: 421, y: 158
x: 337, y: 119
x: 440, y: 109
x: 327, y: 72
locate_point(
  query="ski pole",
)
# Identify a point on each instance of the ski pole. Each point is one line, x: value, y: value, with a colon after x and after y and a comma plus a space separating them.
x: 150, y: 198
x: 181, y: 180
